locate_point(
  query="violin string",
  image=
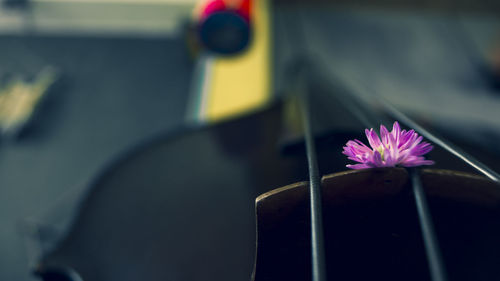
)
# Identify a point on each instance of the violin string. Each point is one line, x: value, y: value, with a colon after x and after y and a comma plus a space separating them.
x: 434, y: 259
x: 360, y: 111
x: 301, y: 55
x: 317, y: 240
x: 482, y: 168
x: 436, y: 267
x: 357, y: 90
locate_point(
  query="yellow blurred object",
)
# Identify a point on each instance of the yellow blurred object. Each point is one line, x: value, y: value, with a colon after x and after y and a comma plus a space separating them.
x: 18, y: 100
x: 242, y: 83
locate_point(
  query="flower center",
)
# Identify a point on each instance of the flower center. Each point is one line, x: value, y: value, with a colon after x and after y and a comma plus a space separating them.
x: 381, y: 150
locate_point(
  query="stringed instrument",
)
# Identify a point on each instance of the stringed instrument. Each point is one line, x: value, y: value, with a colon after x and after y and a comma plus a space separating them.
x: 202, y: 214
x: 181, y: 206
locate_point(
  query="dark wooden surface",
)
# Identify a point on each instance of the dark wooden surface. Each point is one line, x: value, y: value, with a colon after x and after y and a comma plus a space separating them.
x: 371, y: 227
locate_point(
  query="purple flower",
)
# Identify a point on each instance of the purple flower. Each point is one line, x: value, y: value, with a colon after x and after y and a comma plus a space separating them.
x: 398, y: 147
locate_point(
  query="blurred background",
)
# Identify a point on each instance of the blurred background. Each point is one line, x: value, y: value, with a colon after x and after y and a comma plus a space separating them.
x: 83, y: 81
x: 120, y: 74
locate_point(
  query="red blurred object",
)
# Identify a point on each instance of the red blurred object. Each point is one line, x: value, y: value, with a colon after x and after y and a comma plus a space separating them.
x: 241, y: 7
x: 212, y: 7
x: 244, y: 9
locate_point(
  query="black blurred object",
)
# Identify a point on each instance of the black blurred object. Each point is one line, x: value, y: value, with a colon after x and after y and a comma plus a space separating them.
x: 224, y: 27
x: 225, y: 33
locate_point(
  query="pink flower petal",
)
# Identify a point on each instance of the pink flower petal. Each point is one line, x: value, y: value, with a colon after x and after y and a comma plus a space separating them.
x: 373, y: 138
x: 399, y: 147
x: 384, y: 135
x: 396, y: 130
x: 358, y: 166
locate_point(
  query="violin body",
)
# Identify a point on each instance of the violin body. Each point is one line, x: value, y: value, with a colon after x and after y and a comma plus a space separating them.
x: 182, y: 207
x: 179, y: 207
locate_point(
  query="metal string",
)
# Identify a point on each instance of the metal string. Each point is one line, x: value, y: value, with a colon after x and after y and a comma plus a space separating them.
x: 434, y: 259
x: 444, y: 144
x: 317, y: 240
x: 318, y: 264
x: 436, y: 266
